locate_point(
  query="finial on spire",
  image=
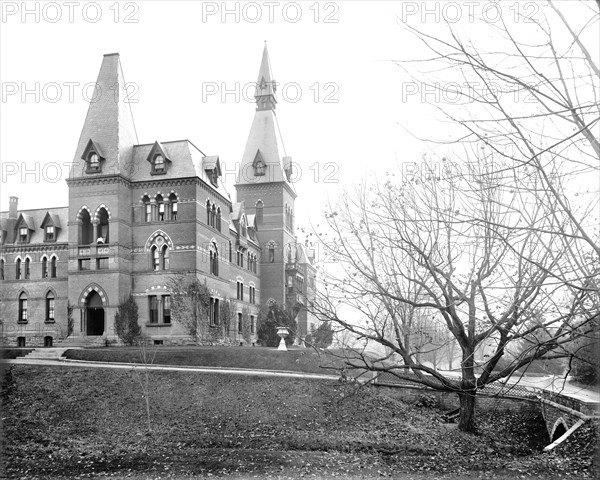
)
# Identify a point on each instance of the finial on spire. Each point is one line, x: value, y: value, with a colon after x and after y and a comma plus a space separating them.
x: 265, y: 86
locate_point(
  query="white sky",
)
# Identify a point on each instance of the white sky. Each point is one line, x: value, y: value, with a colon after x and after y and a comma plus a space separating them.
x: 172, y: 53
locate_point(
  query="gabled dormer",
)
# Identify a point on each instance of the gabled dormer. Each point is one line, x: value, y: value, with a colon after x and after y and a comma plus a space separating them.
x: 240, y: 222
x: 51, y: 226
x: 93, y: 157
x: 158, y: 159
x: 24, y: 228
x: 212, y: 166
x: 252, y: 227
x: 259, y: 164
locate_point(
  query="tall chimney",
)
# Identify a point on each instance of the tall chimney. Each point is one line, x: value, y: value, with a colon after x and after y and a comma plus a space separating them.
x: 13, y: 203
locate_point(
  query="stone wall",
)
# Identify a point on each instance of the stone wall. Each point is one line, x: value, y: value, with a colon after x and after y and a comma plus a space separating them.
x: 449, y: 401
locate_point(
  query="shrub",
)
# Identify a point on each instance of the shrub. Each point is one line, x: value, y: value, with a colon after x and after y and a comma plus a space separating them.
x: 585, y: 365
x: 426, y: 401
x: 322, y: 337
x: 126, y: 321
x: 275, y: 316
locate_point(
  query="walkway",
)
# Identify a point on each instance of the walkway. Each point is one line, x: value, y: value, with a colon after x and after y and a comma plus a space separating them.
x: 53, y: 357
x: 169, y: 368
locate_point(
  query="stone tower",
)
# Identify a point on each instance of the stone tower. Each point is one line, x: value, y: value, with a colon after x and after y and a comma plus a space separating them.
x: 263, y: 184
x: 100, y: 229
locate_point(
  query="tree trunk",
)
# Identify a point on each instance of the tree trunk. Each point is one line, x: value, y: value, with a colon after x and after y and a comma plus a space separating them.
x: 466, y: 421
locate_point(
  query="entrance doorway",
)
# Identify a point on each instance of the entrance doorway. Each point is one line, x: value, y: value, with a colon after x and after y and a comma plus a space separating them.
x: 47, y: 341
x: 94, y: 315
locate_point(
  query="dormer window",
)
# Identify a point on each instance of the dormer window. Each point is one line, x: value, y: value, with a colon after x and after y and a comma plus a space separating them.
x: 93, y: 157
x: 259, y: 165
x: 94, y: 162
x: 259, y: 169
x: 159, y: 160
x: 50, y: 233
x: 212, y: 167
x: 159, y: 164
x: 23, y: 234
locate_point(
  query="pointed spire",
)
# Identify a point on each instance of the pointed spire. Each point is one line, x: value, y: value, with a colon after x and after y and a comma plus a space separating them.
x: 108, y: 123
x: 264, y: 156
x: 265, y: 85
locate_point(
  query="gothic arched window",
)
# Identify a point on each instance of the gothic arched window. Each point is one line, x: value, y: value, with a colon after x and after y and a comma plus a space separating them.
x: 50, y: 307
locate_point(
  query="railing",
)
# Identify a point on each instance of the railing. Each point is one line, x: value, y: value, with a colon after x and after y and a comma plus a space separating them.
x: 89, y: 250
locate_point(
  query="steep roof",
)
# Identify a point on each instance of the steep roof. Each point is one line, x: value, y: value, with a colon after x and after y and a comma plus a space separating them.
x: 299, y: 253
x: 186, y: 160
x: 265, y: 85
x: 264, y: 139
x: 34, y: 219
x: 109, y: 122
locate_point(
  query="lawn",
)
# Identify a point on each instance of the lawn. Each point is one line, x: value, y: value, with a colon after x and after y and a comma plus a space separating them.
x: 10, y: 353
x: 69, y: 422
x: 295, y: 360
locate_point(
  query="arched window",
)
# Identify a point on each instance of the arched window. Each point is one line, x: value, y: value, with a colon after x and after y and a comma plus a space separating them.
x: 94, y: 162
x: 103, y: 234
x: 213, y: 216
x: 173, y: 200
x: 288, y: 217
x: 164, y: 251
x: 50, y: 307
x: 161, y: 207
x: 1, y: 269
x: 259, y: 212
x: 208, y: 212
x: 53, y: 267
x: 230, y: 251
x: 291, y: 219
x: 147, y: 209
x: 214, y: 259
x: 18, y: 269
x: 27, y: 268
x: 44, y: 267
x: 219, y: 219
x: 153, y: 309
x: 271, y: 253
x: 22, y: 308
x: 86, y: 230
x: 155, y: 258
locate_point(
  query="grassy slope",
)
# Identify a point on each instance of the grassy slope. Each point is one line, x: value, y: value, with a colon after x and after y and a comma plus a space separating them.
x: 296, y: 360
x: 66, y: 422
x: 9, y: 353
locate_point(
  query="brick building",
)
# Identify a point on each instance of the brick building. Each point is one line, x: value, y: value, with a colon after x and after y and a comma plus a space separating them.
x: 139, y: 214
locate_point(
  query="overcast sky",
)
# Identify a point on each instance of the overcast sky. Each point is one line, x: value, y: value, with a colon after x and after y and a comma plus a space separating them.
x: 341, y: 105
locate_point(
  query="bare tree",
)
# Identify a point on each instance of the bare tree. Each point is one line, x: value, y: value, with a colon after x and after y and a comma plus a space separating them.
x: 142, y: 373
x: 475, y: 250
x: 533, y: 99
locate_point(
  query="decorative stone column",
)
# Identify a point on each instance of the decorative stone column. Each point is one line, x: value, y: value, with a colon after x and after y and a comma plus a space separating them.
x: 96, y: 230
x: 154, y: 206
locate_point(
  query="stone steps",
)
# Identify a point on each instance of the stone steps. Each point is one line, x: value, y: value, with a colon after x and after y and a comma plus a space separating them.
x: 47, y: 353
